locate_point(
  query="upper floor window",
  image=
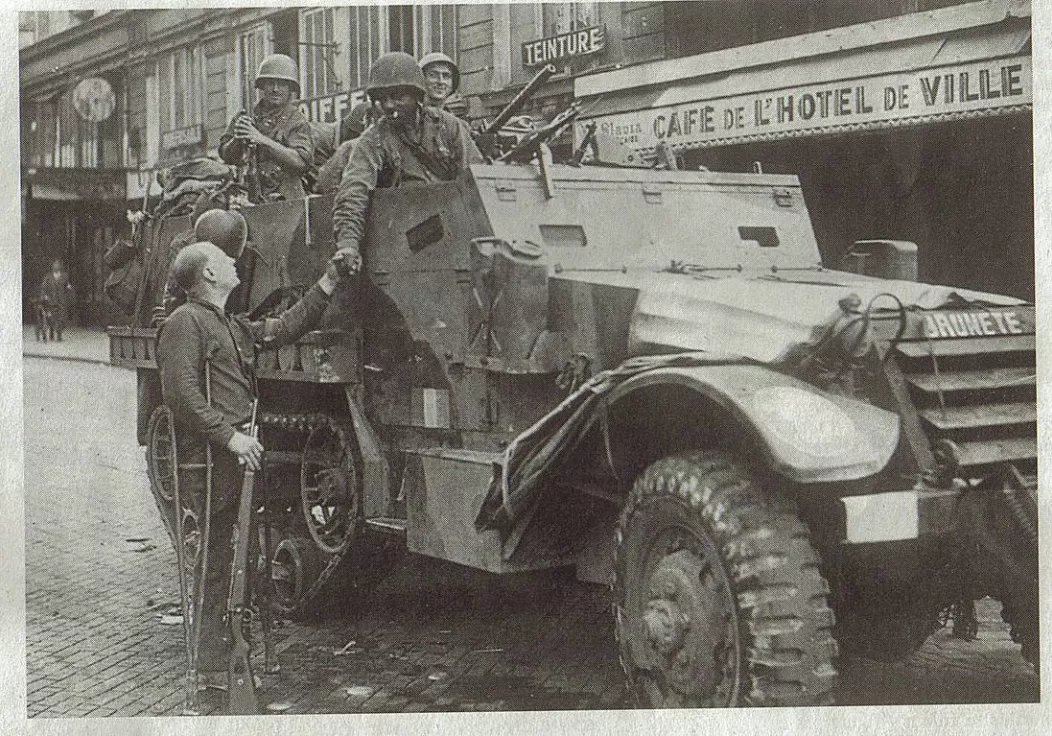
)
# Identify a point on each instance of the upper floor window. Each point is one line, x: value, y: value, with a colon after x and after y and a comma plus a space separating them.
x: 566, y: 17
x: 416, y: 30
x: 179, y: 85
x: 367, y: 42
x: 252, y: 46
x: 317, y: 58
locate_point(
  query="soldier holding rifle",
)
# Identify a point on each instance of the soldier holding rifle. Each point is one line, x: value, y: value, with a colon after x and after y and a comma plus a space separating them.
x: 275, y: 140
x: 207, y: 363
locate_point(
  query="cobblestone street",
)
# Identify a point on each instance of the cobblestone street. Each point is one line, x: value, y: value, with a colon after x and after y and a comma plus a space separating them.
x: 100, y: 579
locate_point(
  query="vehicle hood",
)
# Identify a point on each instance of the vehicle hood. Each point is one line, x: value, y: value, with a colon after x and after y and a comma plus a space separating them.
x: 759, y: 316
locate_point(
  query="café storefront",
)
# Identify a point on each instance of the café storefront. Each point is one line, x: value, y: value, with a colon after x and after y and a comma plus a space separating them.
x: 914, y: 128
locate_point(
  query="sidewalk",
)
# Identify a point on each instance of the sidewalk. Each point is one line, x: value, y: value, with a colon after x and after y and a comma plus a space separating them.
x: 89, y: 345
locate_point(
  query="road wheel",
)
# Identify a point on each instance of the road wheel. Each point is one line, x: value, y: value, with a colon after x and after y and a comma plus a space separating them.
x: 294, y: 566
x: 330, y: 487
x: 718, y: 597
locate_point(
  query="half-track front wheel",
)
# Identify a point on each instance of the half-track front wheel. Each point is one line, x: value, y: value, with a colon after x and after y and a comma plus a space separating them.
x: 718, y: 597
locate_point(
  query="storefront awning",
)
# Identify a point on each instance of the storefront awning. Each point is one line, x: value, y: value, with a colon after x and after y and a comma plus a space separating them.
x: 963, y: 62
x: 53, y: 194
x: 75, y: 184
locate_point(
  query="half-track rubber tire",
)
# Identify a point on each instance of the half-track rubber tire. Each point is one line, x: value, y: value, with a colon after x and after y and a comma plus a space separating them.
x: 718, y: 599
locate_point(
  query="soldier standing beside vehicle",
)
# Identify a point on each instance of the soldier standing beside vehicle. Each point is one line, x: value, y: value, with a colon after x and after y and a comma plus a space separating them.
x: 411, y: 142
x: 206, y: 360
x: 277, y: 134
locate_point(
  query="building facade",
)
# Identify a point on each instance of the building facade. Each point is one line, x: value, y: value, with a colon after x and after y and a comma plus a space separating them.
x: 108, y: 99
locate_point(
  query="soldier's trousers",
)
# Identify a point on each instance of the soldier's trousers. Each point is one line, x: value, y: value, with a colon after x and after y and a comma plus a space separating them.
x: 213, y: 646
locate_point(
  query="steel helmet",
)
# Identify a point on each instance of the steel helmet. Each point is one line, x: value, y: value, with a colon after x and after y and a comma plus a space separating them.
x: 224, y: 228
x: 279, y: 66
x: 437, y: 57
x: 395, y: 69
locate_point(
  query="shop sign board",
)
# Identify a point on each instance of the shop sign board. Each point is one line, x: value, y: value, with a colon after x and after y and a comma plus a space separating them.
x: 94, y: 99
x: 332, y: 107
x: 870, y: 102
x: 581, y: 42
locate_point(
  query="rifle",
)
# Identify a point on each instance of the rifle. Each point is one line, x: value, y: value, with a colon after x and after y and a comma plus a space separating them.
x: 242, y: 693
x: 248, y: 171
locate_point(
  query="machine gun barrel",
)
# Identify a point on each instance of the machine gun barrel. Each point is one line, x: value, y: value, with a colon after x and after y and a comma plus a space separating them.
x: 520, y: 99
x: 529, y: 145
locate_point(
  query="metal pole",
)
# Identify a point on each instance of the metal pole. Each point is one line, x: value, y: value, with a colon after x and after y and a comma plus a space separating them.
x: 199, y: 598
x: 190, y: 703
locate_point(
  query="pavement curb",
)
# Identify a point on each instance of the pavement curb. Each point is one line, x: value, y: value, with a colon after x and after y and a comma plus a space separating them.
x: 71, y: 358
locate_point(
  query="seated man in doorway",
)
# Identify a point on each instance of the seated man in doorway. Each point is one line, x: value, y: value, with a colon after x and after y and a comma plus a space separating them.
x: 207, y: 363
x: 276, y: 133
x: 411, y: 142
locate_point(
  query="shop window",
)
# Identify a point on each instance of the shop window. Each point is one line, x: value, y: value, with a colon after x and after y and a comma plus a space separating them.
x: 317, y: 57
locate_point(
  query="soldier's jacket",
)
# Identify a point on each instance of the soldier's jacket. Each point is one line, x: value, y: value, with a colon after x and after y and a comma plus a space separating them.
x: 384, y: 156
x: 331, y: 172
x: 197, y: 332
x: 288, y: 127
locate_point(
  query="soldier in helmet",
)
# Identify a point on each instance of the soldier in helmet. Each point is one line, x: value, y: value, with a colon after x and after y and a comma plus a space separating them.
x: 442, y: 77
x: 277, y: 131
x: 443, y: 81
x: 411, y: 142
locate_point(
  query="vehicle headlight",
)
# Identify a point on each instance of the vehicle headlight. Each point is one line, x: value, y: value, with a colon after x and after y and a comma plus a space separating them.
x: 806, y: 421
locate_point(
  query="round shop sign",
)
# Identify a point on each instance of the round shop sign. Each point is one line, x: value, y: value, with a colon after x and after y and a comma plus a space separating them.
x: 93, y: 99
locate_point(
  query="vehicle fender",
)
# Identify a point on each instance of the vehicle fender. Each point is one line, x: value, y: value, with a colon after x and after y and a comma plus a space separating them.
x: 805, y: 434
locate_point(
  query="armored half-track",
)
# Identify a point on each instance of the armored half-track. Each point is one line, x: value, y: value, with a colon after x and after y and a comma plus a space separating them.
x: 649, y: 375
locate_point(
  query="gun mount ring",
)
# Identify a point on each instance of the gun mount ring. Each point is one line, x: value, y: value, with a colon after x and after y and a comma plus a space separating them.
x: 330, y: 486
